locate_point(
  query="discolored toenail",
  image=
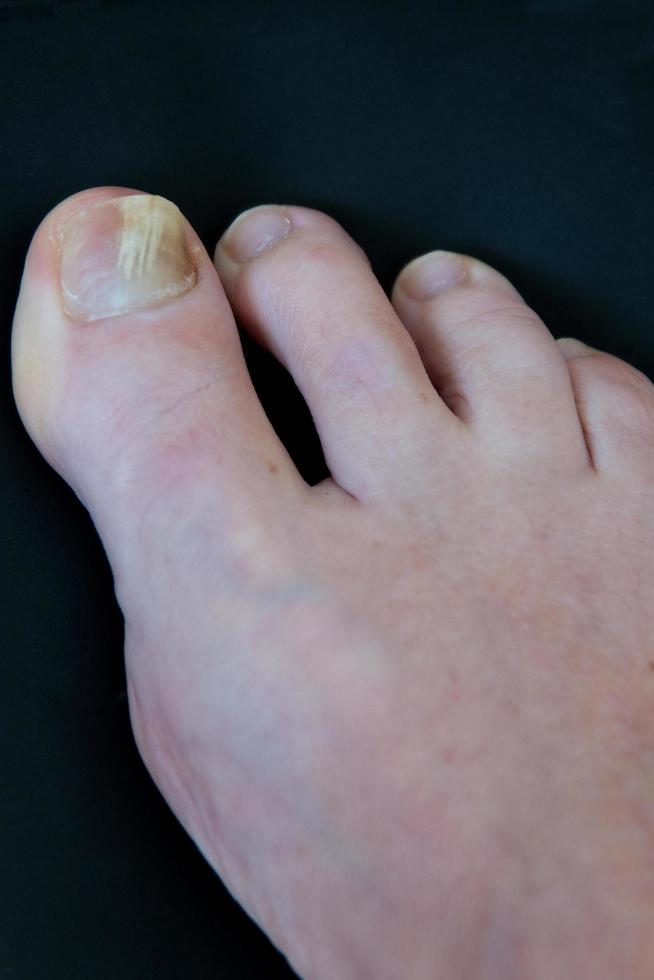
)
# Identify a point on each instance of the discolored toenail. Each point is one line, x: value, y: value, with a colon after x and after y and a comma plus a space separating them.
x: 123, y: 254
x: 255, y: 231
x: 431, y: 274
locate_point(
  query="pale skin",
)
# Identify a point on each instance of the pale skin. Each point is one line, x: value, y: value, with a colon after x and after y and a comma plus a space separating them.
x: 407, y: 714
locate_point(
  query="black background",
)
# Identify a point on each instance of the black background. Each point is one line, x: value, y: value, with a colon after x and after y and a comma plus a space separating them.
x: 521, y: 133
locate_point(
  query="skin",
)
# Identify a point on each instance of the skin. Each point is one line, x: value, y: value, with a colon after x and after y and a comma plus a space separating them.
x: 407, y: 714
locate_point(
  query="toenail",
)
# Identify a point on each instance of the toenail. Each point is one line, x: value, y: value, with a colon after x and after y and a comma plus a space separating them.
x: 571, y: 347
x: 255, y: 231
x: 433, y: 273
x: 124, y: 254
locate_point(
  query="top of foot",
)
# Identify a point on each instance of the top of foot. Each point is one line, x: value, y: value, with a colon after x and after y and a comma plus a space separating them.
x: 407, y: 714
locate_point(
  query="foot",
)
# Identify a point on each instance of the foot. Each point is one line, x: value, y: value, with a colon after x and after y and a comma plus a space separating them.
x: 406, y: 714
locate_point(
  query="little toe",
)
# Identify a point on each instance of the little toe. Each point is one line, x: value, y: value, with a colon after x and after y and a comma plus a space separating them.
x: 305, y: 290
x: 615, y: 402
x: 491, y: 358
x: 129, y: 376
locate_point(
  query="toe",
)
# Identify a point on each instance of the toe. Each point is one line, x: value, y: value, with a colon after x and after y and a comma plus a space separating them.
x: 129, y: 375
x: 305, y: 290
x: 491, y: 358
x: 615, y: 402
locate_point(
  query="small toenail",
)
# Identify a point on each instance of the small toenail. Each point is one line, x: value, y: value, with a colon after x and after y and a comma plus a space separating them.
x: 123, y: 254
x: 571, y: 347
x: 433, y: 273
x: 255, y: 231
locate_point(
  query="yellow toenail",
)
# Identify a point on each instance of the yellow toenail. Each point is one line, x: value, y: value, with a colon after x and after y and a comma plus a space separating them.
x: 124, y: 254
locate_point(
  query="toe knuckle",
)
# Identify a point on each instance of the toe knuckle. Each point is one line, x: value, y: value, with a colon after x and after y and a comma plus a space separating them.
x: 325, y: 256
x: 495, y: 315
x: 629, y: 393
x: 483, y: 334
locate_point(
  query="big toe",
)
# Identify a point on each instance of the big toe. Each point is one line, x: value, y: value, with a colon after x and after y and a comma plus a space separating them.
x: 129, y: 376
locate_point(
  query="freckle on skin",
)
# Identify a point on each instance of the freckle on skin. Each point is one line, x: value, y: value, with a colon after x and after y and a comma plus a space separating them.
x: 651, y: 665
x: 272, y: 467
